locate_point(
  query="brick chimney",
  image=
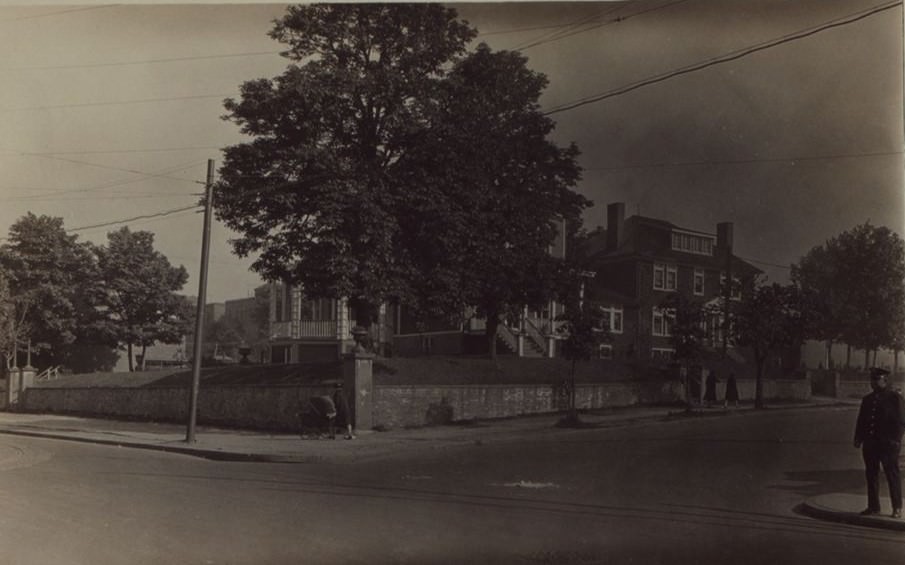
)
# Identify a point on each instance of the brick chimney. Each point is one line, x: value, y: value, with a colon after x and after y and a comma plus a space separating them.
x: 724, y: 238
x: 615, y: 225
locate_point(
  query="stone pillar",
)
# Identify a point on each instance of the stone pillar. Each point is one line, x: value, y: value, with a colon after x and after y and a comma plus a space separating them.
x: 26, y: 380
x: 358, y: 371
x: 12, y: 388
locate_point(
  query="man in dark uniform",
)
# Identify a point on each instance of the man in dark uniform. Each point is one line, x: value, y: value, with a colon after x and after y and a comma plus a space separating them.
x: 879, y: 435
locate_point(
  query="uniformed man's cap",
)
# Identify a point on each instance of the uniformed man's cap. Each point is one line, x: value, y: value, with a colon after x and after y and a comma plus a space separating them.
x: 878, y: 372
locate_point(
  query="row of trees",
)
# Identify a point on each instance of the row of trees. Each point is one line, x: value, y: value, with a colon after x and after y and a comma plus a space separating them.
x: 74, y: 303
x: 392, y: 162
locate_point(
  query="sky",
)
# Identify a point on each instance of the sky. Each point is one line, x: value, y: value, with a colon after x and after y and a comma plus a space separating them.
x: 782, y: 117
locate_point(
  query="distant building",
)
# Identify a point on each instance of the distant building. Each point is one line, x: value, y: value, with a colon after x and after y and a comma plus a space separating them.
x: 639, y: 261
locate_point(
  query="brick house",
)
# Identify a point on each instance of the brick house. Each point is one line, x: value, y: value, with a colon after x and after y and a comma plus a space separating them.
x: 639, y: 261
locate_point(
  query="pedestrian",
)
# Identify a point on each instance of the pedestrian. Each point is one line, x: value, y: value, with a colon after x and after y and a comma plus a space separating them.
x: 710, y: 390
x: 343, y: 414
x: 325, y: 409
x: 878, y: 433
x: 731, y: 391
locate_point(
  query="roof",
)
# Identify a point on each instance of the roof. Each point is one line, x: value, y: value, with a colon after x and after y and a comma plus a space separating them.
x: 629, y: 250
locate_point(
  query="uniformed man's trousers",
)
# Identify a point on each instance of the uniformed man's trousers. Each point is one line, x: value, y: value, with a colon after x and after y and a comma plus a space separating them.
x: 885, y: 453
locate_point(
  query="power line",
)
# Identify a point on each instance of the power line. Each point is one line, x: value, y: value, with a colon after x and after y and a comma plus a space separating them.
x: 165, y: 213
x: 60, y: 12
x: 747, y: 161
x: 90, y: 164
x: 162, y: 214
x: 546, y: 38
x: 112, y: 151
x: 619, y: 19
x: 141, y: 62
x: 734, y: 55
x: 118, y: 102
x: 766, y: 263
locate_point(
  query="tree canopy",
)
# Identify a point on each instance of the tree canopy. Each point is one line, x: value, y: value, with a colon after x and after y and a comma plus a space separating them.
x: 49, y: 278
x: 854, y: 287
x: 136, y: 296
x: 769, y: 320
x: 388, y: 163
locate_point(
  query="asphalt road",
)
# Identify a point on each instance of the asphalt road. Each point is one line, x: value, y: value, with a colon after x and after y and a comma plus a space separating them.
x: 703, y: 490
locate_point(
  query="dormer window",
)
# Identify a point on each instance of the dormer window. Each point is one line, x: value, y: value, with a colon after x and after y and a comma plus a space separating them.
x: 687, y: 242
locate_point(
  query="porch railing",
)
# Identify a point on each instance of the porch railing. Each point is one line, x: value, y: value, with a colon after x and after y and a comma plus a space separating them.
x: 304, y: 329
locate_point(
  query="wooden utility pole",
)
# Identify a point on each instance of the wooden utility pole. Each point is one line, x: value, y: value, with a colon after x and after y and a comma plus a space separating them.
x: 202, y: 299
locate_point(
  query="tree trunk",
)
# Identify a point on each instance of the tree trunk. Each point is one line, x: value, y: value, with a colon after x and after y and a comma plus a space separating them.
x: 144, y: 352
x: 895, y: 362
x: 848, y: 356
x: 828, y: 361
x: 573, y: 411
x: 129, y: 355
x: 866, y: 358
x: 759, y: 381
x: 493, y: 322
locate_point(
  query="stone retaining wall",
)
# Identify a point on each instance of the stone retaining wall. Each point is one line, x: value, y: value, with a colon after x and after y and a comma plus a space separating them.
x: 276, y: 407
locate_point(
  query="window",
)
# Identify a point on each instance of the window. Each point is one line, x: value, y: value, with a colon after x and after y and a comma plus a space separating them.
x: 664, y: 318
x: 736, y: 291
x: 319, y: 309
x: 698, y: 282
x: 665, y: 276
x: 611, y: 319
x: 662, y: 353
x: 692, y: 243
x: 605, y: 351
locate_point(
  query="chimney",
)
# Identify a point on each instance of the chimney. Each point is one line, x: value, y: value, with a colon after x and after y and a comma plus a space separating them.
x: 724, y: 238
x: 615, y: 225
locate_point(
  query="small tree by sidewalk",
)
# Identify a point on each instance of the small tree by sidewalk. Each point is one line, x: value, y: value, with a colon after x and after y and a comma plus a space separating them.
x: 686, y: 334
x: 584, y: 332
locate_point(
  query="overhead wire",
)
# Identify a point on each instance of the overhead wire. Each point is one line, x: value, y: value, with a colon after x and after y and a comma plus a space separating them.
x: 732, y: 56
x: 595, y: 25
x: 748, y: 161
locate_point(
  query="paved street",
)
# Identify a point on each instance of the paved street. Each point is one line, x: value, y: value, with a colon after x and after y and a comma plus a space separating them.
x: 713, y: 489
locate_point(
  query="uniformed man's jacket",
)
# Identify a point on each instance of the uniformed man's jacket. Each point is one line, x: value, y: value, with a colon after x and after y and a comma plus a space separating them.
x: 880, y: 417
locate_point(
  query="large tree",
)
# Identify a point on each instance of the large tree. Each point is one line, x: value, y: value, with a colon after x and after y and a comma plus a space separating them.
x: 136, y: 299
x: 389, y: 164
x: 500, y: 193
x: 50, y: 276
x: 315, y: 192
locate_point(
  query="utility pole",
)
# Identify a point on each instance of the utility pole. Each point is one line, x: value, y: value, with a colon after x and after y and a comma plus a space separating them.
x: 202, y: 299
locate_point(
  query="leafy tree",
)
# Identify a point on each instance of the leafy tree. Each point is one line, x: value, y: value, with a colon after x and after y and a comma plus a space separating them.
x: 854, y: 288
x: 817, y: 277
x: 387, y: 165
x: 483, y: 238
x: 687, y: 332
x: 137, y: 300
x: 50, y: 275
x: 768, y: 319
x: 581, y: 325
x: 317, y: 190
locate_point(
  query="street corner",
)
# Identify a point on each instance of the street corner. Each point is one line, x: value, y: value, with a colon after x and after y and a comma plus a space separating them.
x: 846, y: 509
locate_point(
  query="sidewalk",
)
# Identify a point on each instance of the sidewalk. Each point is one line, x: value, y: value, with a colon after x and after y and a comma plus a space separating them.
x: 249, y: 446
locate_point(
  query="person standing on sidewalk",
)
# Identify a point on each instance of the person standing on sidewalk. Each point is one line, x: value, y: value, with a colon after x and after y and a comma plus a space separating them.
x: 731, y: 391
x: 710, y: 389
x: 878, y: 433
x: 343, y: 414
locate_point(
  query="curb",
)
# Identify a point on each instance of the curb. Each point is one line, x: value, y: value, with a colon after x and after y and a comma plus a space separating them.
x: 210, y: 454
x: 814, y: 510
